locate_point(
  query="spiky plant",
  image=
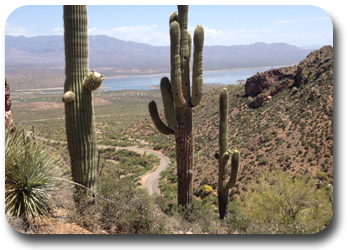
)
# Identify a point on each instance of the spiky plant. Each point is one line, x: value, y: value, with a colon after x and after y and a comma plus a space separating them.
x: 13, y: 148
x: 30, y: 175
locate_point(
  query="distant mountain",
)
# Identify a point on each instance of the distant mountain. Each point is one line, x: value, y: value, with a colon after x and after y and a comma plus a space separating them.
x: 312, y: 47
x: 113, y: 56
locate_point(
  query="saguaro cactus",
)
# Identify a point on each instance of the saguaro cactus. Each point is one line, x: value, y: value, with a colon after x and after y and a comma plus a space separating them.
x: 224, y: 184
x: 79, y: 111
x: 177, y: 99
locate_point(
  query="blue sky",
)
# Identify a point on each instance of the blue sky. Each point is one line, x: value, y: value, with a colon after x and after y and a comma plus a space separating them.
x: 224, y: 24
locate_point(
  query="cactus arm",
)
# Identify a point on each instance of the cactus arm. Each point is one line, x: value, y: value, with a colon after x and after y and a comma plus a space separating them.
x: 169, y: 109
x: 152, y: 107
x: 176, y: 82
x: 234, y: 169
x: 173, y: 17
x: 184, y: 55
x: 197, y: 75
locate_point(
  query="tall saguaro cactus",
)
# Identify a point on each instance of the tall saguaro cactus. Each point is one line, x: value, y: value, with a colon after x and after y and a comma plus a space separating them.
x: 177, y: 99
x: 79, y: 111
x: 224, y: 184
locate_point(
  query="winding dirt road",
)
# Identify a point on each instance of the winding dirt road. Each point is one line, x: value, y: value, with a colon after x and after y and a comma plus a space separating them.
x: 151, y: 184
x: 153, y: 179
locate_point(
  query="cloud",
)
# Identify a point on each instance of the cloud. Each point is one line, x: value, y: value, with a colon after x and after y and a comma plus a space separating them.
x: 233, y: 37
x: 58, y: 31
x: 14, y: 30
x: 143, y: 34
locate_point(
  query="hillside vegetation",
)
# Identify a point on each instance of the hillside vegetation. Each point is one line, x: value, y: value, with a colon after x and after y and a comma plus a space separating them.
x: 281, y: 121
x: 290, y: 128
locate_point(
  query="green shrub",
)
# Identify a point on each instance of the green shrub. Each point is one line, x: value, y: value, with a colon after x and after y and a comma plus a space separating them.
x: 131, y: 210
x: 263, y: 160
x: 283, y: 204
x: 321, y: 175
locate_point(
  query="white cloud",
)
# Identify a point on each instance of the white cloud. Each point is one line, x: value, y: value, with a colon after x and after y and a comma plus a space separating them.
x: 142, y: 34
x: 14, y: 30
x: 58, y: 31
x: 234, y: 37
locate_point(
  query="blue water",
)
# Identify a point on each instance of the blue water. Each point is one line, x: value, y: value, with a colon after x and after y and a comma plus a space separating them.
x: 210, y: 77
x: 52, y: 90
x: 144, y: 82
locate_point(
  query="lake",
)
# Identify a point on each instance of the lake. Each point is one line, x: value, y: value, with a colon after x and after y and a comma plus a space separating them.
x: 210, y: 77
x: 144, y: 82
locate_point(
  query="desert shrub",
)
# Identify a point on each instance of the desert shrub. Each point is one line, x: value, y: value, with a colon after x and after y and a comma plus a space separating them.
x: 131, y: 210
x: 282, y: 204
x: 281, y: 158
x: 321, y: 175
x: 263, y: 160
x: 203, y: 191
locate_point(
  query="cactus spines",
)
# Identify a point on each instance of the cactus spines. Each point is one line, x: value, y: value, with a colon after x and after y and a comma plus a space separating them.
x: 69, y: 96
x: 224, y: 184
x: 80, y: 121
x: 93, y: 81
x: 177, y: 100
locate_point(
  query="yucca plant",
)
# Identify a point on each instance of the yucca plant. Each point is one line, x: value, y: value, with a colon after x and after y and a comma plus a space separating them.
x: 30, y: 176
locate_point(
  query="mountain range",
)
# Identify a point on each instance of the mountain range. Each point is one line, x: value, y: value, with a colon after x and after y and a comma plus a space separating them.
x: 112, y: 56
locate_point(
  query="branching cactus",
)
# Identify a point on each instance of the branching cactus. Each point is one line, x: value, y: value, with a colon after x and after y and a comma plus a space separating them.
x: 224, y: 183
x: 79, y: 111
x: 177, y: 99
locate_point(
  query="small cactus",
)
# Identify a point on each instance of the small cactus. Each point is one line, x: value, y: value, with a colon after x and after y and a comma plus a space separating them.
x: 224, y: 184
x: 93, y: 81
x: 69, y: 96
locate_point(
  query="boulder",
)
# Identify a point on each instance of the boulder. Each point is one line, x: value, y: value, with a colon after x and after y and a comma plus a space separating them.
x: 261, y: 100
x: 8, y: 114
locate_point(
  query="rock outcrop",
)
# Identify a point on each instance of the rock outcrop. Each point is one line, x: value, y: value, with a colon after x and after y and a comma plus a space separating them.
x: 267, y: 84
x: 8, y: 115
x: 260, y: 81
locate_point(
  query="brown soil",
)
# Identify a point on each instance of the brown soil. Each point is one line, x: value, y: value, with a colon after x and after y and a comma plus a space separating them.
x: 39, y: 106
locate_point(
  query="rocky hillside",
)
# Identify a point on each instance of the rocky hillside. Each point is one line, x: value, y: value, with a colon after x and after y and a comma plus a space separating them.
x: 280, y: 119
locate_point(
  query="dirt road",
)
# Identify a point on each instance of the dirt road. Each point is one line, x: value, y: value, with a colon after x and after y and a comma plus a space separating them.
x: 151, y: 184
